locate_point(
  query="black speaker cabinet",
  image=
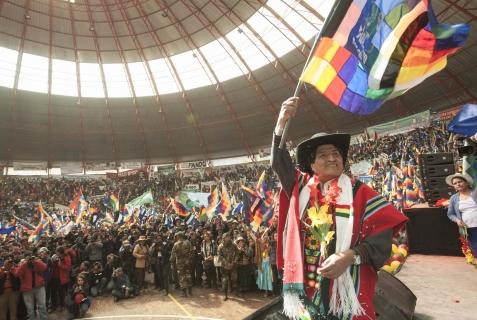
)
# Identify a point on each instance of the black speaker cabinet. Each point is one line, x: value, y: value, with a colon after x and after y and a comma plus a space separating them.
x: 436, y: 158
x: 393, y: 300
x: 437, y: 170
x: 433, y: 195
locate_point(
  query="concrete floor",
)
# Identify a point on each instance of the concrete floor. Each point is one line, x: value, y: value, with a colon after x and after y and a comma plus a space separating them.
x: 446, y: 288
x: 206, y: 304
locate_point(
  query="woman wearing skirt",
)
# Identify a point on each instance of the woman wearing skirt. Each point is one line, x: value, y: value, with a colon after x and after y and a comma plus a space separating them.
x: 265, y: 278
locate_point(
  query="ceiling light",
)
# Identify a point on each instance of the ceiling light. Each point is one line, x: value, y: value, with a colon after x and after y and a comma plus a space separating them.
x: 27, y: 16
x: 91, y: 28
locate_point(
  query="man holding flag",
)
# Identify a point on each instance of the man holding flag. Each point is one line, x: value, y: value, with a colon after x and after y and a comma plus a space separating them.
x: 363, y: 224
x: 367, y: 52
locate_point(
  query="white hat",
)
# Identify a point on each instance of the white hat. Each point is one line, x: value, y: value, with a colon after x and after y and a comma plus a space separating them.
x: 465, y: 177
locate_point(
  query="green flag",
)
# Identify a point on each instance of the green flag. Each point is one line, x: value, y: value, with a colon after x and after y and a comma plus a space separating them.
x: 139, y: 201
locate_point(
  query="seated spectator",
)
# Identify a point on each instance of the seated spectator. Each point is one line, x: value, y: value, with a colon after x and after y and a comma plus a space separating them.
x: 122, y: 287
x: 78, y: 302
x: 97, y: 280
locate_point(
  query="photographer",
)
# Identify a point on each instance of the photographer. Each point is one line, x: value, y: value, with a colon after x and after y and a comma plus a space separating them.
x: 98, y: 280
x: 122, y: 287
x: 9, y: 291
x: 78, y: 302
x: 61, y: 267
x: 30, y: 271
x: 155, y: 258
x: 44, y: 255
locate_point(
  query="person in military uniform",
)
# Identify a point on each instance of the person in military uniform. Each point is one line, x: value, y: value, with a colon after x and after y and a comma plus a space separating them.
x: 228, y: 256
x: 180, y: 256
x: 166, y: 265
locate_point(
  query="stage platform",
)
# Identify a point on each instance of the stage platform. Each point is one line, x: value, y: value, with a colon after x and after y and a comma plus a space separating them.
x: 445, y: 287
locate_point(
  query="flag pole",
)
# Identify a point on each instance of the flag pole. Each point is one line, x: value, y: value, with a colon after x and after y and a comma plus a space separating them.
x: 298, y: 88
x: 300, y: 83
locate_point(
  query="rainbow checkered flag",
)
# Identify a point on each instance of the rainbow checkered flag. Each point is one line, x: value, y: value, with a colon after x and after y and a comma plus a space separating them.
x: 371, y: 51
x: 469, y: 166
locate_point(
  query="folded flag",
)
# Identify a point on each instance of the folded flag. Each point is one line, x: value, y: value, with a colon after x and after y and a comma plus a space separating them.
x: 7, y: 230
x: 372, y: 51
x: 225, y: 206
x: 213, y: 201
x: 179, y: 209
x: 44, y: 214
x: 114, y: 201
x: 36, y: 234
x: 24, y: 223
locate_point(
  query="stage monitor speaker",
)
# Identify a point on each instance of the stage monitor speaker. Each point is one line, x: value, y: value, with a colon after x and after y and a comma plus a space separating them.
x: 436, y: 158
x: 393, y: 300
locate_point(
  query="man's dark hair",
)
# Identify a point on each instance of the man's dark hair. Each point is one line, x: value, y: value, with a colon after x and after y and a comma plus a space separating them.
x: 313, y: 155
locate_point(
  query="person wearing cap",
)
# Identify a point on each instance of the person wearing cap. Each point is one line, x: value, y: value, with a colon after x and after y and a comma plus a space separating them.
x: 209, y: 250
x: 228, y: 256
x: 244, y: 266
x: 463, y: 206
x: 180, y: 257
x: 127, y: 258
x: 122, y: 287
x: 141, y: 253
x: 363, y: 222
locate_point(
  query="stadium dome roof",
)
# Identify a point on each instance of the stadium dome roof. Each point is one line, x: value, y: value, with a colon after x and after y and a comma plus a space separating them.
x: 165, y: 81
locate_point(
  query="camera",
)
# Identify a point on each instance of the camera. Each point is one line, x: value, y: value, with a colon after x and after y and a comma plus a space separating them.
x: 31, y: 262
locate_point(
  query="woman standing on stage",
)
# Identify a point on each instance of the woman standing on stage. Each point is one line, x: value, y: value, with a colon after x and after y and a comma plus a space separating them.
x: 463, y: 206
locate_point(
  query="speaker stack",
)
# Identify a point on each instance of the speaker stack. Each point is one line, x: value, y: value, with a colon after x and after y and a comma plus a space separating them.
x: 435, y: 167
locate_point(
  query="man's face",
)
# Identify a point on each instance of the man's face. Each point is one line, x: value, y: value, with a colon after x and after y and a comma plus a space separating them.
x: 328, y: 163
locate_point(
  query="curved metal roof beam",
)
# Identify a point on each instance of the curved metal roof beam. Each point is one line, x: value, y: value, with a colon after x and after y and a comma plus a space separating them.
x: 218, y: 86
x: 130, y: 83
x: 173, y: 70
x: 78, y: 84
x: 106, y: 97
x: 277, y: 65
x: 13, y: 103
x: 152, y: 82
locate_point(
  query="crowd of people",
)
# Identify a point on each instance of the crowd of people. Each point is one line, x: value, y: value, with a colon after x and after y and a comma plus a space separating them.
x: 66, y: 271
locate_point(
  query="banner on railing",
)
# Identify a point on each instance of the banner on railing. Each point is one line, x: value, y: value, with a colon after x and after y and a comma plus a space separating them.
x: 192, y: 165
x: 19, y: 165
x: 126, y: 174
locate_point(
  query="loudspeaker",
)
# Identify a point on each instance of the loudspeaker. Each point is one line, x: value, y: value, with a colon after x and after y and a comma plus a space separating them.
x: 435, y: 167
x: 438, y: 170
x: 393, y: 300
x: 436, y: 158
x: 429, y: 231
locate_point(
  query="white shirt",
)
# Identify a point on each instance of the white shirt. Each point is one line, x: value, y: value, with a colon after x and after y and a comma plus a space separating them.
x: 468, y: 208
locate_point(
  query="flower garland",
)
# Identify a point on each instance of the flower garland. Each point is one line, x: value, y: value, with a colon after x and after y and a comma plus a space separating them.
x: 320, y: 215
x: 465, y: 247
x: 320, y: 223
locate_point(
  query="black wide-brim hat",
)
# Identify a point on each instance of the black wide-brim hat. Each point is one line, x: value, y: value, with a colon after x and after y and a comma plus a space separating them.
x: 307, y: 147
